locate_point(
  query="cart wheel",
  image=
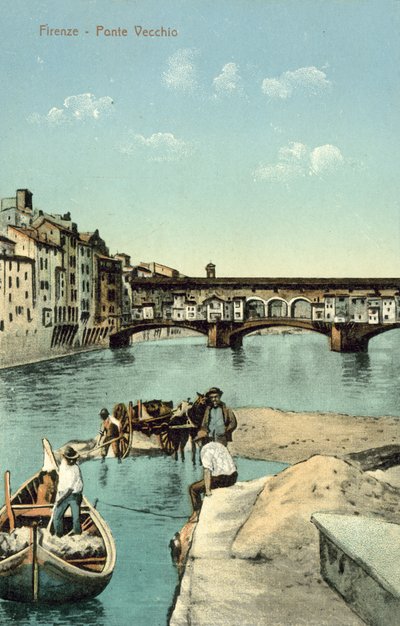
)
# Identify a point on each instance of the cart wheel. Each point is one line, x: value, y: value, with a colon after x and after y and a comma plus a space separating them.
x: 125, y: 442
x: 167, y: 444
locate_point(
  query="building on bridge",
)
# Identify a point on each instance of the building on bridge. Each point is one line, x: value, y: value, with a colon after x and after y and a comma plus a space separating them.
x: 224, y: 300
x: 238, y: 306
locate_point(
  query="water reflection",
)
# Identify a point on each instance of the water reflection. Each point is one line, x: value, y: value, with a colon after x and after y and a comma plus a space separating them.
x: 356, y: 368
x: 123, y: 356
x: 103, y: 473
x: 85, y: 612
x: 238, y: 357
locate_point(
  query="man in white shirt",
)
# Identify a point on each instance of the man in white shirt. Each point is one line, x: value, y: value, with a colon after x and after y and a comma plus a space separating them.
x: 69, y: 492
x: 219, y: 470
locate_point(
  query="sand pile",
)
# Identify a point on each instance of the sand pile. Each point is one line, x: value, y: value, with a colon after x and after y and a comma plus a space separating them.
x: 279, y: 524
x: 73, y: 546
x: 13, y: 542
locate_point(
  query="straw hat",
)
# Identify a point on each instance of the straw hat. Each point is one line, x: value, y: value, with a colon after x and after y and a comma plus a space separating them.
x: 69, y: 453
x: 214, y: 390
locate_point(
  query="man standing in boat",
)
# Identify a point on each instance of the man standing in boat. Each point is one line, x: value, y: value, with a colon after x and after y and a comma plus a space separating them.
x: 109, y: 432
x: 219, y: 420
x: 69, y: 492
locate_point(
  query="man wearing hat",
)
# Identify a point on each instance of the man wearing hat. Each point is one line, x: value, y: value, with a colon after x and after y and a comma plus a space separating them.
x: 69, y: 492
x: 218, y: 467
x: 109, y: 431
x: 219, y: 420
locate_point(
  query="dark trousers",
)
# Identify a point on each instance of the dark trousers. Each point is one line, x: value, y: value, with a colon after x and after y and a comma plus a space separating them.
x: 74, y: 502
x: 198, y: 488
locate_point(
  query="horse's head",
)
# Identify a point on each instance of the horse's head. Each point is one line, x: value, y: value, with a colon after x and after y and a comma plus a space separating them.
x: 196, y: 411
x: 201, y: 399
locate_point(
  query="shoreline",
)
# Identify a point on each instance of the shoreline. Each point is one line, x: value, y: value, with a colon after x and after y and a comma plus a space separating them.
x: 291, y: 436
x: 256, y: 538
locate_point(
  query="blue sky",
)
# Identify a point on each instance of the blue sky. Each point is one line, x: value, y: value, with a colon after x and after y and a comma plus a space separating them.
x: 264, y: 137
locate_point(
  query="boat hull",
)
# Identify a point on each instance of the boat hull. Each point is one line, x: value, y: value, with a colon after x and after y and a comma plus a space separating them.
x: 39, y: 572
x: 50, y: 580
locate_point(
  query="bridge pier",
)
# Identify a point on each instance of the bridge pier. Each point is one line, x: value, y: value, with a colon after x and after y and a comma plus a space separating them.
x: 219, y: 335
x: 342, y: 340
x: 119, y: 341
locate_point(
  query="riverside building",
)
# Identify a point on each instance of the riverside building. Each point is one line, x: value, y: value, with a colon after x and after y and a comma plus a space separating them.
x: 60, y: 290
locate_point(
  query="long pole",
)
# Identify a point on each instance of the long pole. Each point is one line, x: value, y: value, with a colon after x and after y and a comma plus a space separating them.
x: 7, y: 490
x: 35, y: 569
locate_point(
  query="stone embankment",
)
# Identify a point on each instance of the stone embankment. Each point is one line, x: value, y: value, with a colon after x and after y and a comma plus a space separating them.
x: 254, y: 557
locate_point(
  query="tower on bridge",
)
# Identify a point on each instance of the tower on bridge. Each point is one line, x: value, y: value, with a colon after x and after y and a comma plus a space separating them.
x: 210, y: 269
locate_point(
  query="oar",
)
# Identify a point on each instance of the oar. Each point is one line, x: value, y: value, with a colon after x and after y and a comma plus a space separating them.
x: 7, y: 490
x: 103, y: 444
x: 35, y: 569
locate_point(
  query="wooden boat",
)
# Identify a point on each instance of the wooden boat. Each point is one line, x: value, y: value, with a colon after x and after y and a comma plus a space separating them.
x: 39, y: 571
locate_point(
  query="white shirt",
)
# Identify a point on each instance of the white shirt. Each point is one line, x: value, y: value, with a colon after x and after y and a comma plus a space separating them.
x: 114, y: 420
x: 69, y: 477
x: 216, y: 458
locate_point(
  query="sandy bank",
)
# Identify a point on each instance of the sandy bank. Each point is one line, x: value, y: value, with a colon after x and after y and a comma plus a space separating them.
x: 276, y: 435
x: 254, y: 559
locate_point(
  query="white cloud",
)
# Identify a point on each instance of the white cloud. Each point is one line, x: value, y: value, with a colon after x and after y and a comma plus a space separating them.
x: 309, y: 79
x: 182, y: 72
x: 275, y: 88
x: 294, y: 151
x: 325, y: 158
x: 278, y: 173
x: 83, y: 106
x: 229, y: 80
x: 158, y: 147
x: 296, y: 160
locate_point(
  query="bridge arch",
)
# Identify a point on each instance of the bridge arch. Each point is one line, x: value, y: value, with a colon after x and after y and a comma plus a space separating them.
x: 300, y: 308
x: 254, y: 308
x: 374, y: 331
x: 253, y: 325
x: 277, y: 307
x: 122, y: 336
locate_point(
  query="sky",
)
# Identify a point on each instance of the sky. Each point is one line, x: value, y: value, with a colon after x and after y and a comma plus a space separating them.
x: 261, y: 136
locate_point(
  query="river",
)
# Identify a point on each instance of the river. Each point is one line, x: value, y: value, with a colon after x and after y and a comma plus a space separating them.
x: 60, y: 400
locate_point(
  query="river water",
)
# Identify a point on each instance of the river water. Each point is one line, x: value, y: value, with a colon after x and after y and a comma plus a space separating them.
x: 61, y: 399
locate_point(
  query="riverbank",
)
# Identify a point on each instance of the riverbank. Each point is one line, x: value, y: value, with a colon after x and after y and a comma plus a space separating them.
x: 287, y: 436
x: 254, y: 558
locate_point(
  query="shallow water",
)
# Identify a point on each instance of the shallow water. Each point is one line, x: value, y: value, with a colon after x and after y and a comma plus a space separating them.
x: 61, y: 399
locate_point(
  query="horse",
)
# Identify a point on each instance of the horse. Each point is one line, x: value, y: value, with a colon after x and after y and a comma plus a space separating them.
x: 189, y: 415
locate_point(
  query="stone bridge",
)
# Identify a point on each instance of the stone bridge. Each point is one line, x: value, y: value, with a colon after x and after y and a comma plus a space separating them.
x: 348, y: 310
x: 343, y: 337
